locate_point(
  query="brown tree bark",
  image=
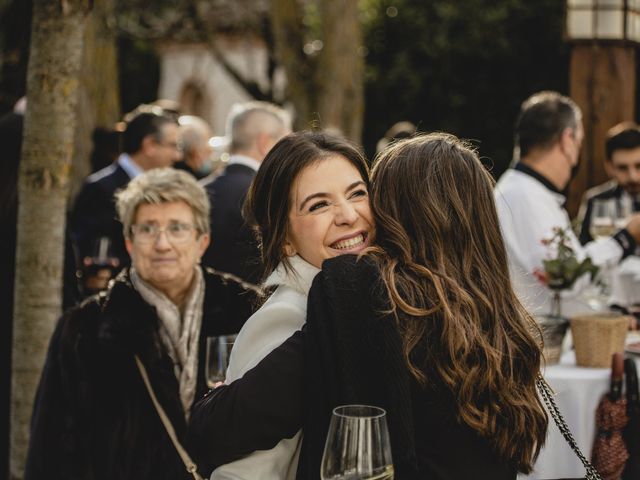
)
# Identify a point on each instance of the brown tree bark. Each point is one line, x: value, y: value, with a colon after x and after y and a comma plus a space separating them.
x: 340, y: 69
x: 98, y: 95
x: 603, y: 84
x: 289, y: 37
x: 326, y: 87
x: 52, y: 85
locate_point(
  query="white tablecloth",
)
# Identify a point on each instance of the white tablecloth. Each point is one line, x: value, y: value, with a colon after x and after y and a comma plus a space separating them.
x: 578, y: 391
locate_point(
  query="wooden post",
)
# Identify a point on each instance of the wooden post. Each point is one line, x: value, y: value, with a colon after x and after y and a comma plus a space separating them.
x: 603, y: 84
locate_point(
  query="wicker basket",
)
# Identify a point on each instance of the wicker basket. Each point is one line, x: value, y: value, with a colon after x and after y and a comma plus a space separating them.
x: 597, y: 337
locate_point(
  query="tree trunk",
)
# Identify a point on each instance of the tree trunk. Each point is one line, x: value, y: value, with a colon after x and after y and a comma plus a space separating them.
x: 98, y: 96
x: 603, y: 84
x: 289, y: 38
x: 339, y: 74
x: 52, y: 85
x: 326, y: 88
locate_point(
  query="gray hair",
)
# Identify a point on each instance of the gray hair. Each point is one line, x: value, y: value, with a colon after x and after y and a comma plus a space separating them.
x: 248, y: 120
x: 158, y: 186
x: 542, y: 119
x: 194, y: 132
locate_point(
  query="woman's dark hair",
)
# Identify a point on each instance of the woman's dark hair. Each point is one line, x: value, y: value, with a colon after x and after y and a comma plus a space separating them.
x: 623, y: 136
x: 444, y: 265
x: 267, y: 205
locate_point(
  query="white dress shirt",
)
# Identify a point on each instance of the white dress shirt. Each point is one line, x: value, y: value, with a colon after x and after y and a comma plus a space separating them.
x: 528, y: 211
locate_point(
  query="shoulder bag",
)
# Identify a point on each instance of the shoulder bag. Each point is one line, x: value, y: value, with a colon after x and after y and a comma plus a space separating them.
x: 192, y: 468
x: 547, y: 396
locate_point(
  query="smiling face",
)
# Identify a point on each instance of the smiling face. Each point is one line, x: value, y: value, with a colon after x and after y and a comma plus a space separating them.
x: 167, y: 264
x: 329, y: 213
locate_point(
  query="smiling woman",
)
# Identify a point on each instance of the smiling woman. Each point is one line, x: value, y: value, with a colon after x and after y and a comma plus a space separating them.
x: 330, y: 213
x: 308, y: 202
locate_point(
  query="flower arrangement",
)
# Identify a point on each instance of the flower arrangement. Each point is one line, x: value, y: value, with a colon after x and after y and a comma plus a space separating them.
x: 561, y: 270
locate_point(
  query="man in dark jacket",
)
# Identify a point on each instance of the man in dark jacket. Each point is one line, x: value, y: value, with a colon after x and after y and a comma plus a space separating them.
x: 622, y: 163
x: 254, y: 127
x: 149, y: 141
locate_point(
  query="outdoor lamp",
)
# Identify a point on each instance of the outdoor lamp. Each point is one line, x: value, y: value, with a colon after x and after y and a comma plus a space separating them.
x: 617, y: 20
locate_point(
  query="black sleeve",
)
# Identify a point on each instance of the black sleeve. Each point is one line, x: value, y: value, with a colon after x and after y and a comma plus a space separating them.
x: 585, y: 236
x: 253, y: 413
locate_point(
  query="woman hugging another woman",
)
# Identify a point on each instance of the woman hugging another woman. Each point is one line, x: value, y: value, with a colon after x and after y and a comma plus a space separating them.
x: 423, y: 323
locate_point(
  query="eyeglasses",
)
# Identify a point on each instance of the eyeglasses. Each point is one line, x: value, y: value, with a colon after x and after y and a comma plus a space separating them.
x: 149, y: 232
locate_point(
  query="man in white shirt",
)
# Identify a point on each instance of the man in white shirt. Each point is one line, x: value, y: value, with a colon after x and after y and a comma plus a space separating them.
x: 530, y: 201
x: 254, y: 128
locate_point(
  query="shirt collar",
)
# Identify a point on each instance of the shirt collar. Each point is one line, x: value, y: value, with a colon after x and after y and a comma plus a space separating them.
x: 252, y: 163
x: 299, y: 277
x: 526, y: 169
x: 129, y: 166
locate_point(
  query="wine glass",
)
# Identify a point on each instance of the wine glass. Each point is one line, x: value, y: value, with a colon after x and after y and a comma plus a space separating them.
x: 603, y: 218
x: 624, y: 210
x: 217, y: 359
x: 358, y: 446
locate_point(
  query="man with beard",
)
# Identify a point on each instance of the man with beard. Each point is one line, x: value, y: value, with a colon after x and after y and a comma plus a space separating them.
x: 622, y: 164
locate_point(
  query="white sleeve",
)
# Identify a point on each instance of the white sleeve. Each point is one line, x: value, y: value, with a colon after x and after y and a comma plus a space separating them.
x: 265, y: 330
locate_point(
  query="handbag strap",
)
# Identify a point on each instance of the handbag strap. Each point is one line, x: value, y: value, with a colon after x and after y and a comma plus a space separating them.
x: 547, y: 396
x: 192, y: 468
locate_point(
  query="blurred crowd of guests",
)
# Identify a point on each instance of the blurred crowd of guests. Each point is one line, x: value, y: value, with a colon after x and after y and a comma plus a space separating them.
x: 119, y: 212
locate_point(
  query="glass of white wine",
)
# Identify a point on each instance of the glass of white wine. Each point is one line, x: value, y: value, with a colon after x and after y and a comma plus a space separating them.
x: 624, y: 210
x: 357, y: 446
x: 603, y: 218
x: 217, y: 359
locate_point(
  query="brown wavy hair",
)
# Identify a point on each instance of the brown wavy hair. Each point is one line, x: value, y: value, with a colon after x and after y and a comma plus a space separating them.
x: 444, y: 265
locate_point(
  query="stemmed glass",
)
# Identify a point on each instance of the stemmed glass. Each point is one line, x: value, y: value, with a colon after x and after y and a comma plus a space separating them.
x: 603, y: 218
x: 217, y: 359
x: 358, y: 446
x: 624, y: 210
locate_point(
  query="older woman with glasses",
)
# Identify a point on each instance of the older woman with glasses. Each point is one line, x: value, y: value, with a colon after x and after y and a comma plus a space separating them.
x: 93, y: 417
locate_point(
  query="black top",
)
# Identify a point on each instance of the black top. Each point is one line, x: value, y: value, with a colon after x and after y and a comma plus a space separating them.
x: 233, y: 247
x: 93, y: 417
x: 348, y: 353
x: 182, y: 165
x: 94, y: 214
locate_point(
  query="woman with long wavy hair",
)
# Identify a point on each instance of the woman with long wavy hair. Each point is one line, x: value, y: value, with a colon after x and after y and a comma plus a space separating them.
x: 424, y: 323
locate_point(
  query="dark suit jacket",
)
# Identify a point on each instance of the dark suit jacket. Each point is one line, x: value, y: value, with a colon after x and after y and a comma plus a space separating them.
x: 94, y: 213
x: 233, y: 247
x: 602, y: 192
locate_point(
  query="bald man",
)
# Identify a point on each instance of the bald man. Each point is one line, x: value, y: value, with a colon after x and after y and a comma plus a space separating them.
x: 254, y: 128
x: 194, y: 141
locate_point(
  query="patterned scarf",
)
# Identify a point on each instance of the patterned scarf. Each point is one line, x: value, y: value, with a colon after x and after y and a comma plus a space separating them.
x: 179, y: 333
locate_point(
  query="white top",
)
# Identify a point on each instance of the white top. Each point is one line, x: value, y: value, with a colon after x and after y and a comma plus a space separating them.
x: 281, y: 316
x: 528, y: 212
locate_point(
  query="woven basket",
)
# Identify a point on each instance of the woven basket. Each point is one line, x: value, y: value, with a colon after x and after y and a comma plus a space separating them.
x: 597, y: 337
